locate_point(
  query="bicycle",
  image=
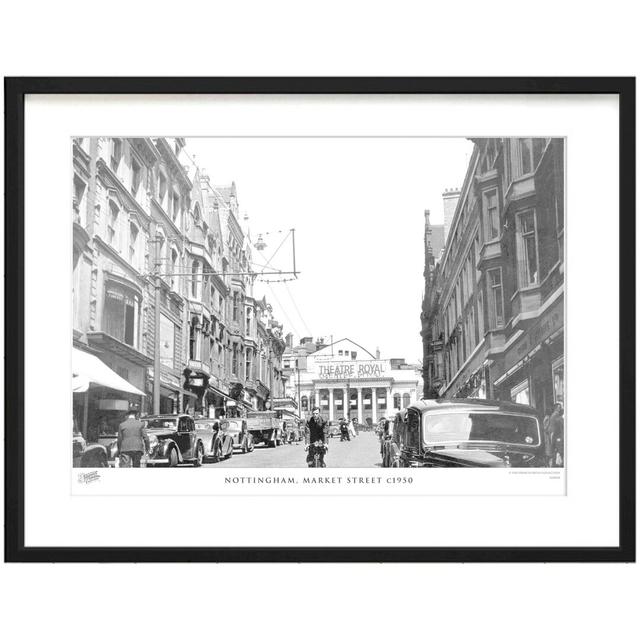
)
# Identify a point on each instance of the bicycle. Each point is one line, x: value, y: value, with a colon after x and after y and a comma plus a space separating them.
x: 318, y: 450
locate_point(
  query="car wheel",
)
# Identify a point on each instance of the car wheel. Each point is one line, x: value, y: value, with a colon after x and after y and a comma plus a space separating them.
x: 199, y: 455
x: 172, y: 457
x: 395, y: 463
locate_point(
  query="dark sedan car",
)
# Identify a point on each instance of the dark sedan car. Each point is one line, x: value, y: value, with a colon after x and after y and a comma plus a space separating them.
x: 217, y: 440
x: 173, y: 440
x: 465, y: 433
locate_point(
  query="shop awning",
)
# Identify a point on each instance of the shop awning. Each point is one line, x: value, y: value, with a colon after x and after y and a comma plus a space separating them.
x: 88, y: 370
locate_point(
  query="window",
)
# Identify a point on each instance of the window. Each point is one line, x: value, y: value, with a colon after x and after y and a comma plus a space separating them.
x: 162, y: 188
x: 476, y: 256
x: 234, y: 360
x: 192, y: 342
x: 406, y: 400
x: 539, y: 145
x: 520, y: 393
x: 507, y: 164
x: 133, y: 243
x: 557, y: 369
x: 120, y: 314
x: 340, y: 352
x: 526, y: 155
x: 116, y: 154
x: 248, y: 321
x: 174, y: 270
x: 247, y: 364
x: 159, y: 252
x: 194, y: 279
x: 235, y: 306
x: 175, y: 208
x: 135, y: 176
x: 354, y: 355
x: 113, y: 224
x: 531, y: 150
x: 396, y: 401
x: 527, y: 249
x: 496, y: 306
x: 79, y: 188
x: 491, y: 215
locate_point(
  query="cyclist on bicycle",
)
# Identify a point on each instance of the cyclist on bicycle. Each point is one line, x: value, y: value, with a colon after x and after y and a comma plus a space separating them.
x: 316, y: 430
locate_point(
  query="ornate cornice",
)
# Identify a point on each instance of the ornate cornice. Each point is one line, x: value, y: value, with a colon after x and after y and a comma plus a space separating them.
x: 176, y: 169
x: 112, y: 181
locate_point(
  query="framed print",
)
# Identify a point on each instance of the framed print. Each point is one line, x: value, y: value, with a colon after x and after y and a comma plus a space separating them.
x: 320, y: 319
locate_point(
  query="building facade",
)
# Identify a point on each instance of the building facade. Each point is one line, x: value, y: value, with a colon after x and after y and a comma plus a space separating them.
x: 343, y: 379
x: 493, y: 309
x: 162, y: 276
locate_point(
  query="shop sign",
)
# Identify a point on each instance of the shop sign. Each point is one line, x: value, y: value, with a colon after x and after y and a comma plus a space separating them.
x: 535, y: 335
x: 107, y: 404
x: 341, y: 370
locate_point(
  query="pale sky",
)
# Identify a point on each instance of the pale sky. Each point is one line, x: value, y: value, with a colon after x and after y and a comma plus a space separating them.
x: 357, y: 205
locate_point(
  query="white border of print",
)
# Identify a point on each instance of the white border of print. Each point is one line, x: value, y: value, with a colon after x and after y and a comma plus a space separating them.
x: 54, y: 517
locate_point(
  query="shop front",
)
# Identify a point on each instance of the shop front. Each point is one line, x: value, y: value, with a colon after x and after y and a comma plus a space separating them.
x: 533, y: 367
x: 101, y: 397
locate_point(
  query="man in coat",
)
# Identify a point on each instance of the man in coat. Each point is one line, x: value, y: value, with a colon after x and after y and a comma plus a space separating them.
x: 554, y: 440
x: 133, y: 440
x: 316, y: 430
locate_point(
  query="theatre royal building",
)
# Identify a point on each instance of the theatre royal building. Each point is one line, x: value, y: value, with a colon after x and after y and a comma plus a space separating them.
x: 343, y: 379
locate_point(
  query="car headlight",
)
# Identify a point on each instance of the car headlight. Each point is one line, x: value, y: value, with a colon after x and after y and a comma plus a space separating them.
x: 153, y: 442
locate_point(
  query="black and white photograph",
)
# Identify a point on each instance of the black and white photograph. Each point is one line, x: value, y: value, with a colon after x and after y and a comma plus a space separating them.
x: 336, y: 302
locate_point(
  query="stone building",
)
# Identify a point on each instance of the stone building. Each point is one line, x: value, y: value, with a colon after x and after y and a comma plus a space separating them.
x: 493, y: 310
x: 149, y: 229
x: 343, y: 379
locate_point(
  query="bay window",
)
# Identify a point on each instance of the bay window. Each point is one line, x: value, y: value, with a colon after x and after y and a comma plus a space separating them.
x: 527, y: 249
x: 496, y: 303
x: 120, y: 314
x: 133, y: 245
x: 113, y: 225
x: 491, y: 214
x: 136, y: 177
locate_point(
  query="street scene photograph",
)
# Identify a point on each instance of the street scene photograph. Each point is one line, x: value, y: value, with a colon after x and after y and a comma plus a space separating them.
x: 333, y: 302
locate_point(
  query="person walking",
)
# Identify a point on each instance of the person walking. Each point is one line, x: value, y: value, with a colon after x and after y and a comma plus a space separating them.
x: 133, y: 440
x: 556, y: 436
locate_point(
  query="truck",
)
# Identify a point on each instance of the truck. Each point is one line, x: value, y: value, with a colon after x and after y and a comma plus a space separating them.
x: 265, y: 426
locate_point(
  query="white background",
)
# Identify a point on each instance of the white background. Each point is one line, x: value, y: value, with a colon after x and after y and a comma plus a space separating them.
x: 488, y: 38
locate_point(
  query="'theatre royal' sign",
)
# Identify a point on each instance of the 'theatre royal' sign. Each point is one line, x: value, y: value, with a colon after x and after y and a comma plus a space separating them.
x: 344, y: 370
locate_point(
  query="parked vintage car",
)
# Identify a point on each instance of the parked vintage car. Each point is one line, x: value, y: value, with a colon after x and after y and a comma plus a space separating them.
x: 334, y: 429
x: 88, y: 455
x: 242, y: 439
x: 294, y: 432
x: 218, y: 442
x: 174, y: 439
x: 466, y: 433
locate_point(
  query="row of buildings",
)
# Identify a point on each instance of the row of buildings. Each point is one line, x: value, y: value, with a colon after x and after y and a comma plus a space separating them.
x: 493, y: 310
x: 163, y: 284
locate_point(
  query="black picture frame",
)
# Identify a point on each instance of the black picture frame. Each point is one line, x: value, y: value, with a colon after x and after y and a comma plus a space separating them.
x: 15, y: 91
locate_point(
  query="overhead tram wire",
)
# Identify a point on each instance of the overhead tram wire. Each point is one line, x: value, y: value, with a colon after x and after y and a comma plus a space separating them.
x: 284, y: 313
x: 295, y: 306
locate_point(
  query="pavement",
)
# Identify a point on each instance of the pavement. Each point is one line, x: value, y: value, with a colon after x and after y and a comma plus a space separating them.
x: 361, y: 451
